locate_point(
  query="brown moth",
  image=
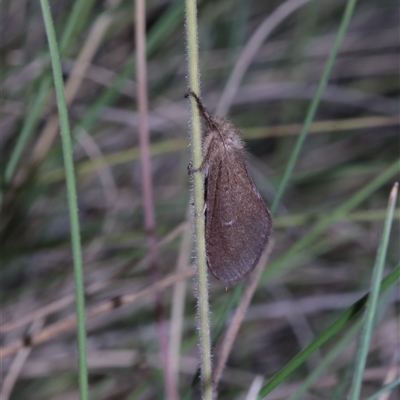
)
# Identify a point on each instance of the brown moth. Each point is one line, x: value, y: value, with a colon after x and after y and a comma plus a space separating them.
x: 237, y: 222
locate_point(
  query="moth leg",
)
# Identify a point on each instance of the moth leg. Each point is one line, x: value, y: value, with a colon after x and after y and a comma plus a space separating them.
x: 191, y: 170
x: 206, y: 161
x: 202, y: 168
x: 203, y: 211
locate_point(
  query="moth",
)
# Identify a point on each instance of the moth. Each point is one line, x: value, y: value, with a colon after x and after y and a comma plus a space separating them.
x: 238, y: 224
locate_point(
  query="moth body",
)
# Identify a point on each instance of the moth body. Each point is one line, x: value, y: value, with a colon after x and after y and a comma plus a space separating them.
x: 237, y: 222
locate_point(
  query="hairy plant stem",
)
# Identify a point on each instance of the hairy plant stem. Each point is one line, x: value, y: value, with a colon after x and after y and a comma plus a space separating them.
x: 202, y: 300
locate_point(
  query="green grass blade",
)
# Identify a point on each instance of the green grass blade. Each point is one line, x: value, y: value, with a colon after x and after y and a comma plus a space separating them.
x: 351, y: 312
x: 371, y: 307
x: 332, y: 354
x: 72, y: 199
x: 314, y: 103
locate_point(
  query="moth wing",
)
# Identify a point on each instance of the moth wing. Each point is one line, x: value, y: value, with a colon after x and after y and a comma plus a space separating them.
x: 238, y: 224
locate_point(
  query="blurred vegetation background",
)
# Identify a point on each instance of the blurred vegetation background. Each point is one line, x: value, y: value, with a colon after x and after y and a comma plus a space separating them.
x: 352, y: 141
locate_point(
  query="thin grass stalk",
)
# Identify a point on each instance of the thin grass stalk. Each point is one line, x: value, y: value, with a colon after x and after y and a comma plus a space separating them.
x: 346, y: 316
x: 72, y: 199
x: 196, y: 141
x: 18, y: 363
x: 371, y: 307
x: 314, y: 104
x: 147, y: 188
x: 142, y: 103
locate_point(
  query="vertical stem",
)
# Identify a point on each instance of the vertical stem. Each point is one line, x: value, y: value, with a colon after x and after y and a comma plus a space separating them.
x: 147, y: 188
x: 141, y: 80
x: 202, y: 301
x: 72, y: 199
x: 370, y: 312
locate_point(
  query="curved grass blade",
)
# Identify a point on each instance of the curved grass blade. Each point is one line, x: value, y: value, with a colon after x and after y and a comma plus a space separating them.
x: 72, y: 198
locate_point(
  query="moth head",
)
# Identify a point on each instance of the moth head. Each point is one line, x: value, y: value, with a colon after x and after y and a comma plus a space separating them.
x: 229, y: 133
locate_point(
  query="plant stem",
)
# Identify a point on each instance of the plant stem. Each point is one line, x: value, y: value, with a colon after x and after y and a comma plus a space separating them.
x: 202, y: 301
x: 371, y: 308
x: 72, y: 199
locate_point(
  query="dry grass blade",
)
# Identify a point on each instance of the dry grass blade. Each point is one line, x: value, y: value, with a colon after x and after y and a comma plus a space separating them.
x: 18, y: 363
x: 147, y: 188
x: 237, y: 318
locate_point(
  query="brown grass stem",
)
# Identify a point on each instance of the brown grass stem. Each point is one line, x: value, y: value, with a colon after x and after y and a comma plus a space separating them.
x: 147, y: 188
x: 238, y: 316
x: 18, y: 363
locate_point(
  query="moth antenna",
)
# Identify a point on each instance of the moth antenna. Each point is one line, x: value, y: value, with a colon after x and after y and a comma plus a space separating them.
x: 204, y: 112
